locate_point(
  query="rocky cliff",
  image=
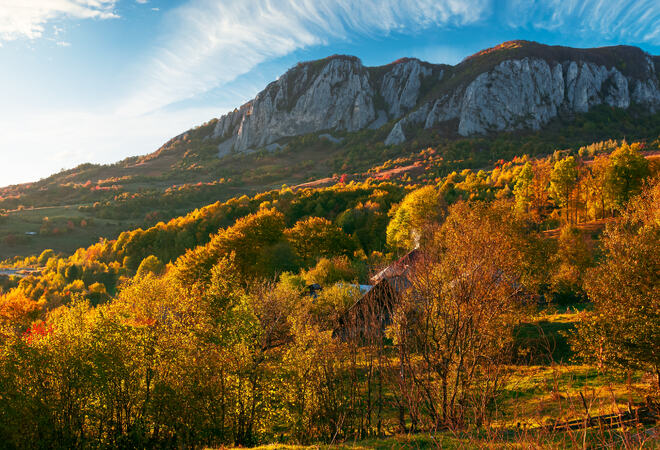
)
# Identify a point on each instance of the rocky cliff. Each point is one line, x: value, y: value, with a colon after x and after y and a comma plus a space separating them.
x: 517, y: 85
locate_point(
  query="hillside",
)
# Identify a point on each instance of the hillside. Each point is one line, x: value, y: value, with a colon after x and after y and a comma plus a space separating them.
x: 368, y: 249
x: 334, y: 116
x: 79, y: 206
x: 261, y: 319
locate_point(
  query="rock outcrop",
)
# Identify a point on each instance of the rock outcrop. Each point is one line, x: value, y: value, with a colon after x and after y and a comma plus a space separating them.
x: 528, y: 93
x: 401, y: 85
x: 337, y: 93
x: 519, y: 85
x: 308, y: 98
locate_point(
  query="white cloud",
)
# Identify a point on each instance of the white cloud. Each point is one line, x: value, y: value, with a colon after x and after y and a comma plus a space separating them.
x: 63, y: 44
x: 27, y: 18
x: 213, y: 42
x: 629, y: 20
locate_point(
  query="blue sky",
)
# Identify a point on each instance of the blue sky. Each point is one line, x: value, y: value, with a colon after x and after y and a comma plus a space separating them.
x: 100, y: 80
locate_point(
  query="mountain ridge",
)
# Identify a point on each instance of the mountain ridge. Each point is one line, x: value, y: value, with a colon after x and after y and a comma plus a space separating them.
x: 414, y: 112
x: 515, y: 85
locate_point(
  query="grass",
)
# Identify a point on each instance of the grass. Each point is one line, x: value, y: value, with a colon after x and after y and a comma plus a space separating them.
x: 534, y: 396
x: 541, y: 395
x: 403, y: 441
x: 18, y: 222
x: 501, y: 439
x: 551, y: 385
x: 543, y: 339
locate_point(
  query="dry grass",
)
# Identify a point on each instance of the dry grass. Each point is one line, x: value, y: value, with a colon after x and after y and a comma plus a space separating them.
x: 535, y: 398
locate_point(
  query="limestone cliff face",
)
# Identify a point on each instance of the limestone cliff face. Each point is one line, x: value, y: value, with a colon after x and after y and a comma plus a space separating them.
x: 528, y: 93
x: 401, y: 85
x: 308, y: 98
x: 338, y: 93
x: 521, y: 89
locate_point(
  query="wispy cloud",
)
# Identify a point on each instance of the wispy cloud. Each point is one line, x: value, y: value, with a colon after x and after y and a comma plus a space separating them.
x: 629, y: 20
x: 27, y: 18
x: 215, y: 42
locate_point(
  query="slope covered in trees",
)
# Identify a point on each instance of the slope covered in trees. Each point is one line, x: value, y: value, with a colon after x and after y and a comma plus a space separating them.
x: 77, y: 207
x: 201, y: 331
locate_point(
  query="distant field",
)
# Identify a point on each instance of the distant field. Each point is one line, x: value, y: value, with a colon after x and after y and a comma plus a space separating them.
x: 20, y: 222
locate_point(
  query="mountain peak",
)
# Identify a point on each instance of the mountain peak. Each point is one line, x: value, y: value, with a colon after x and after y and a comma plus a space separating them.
x: 404, y: 60
x: 515, y: 85
x: 508, y: 45
x: 630, y: 61
x: 327, y: 59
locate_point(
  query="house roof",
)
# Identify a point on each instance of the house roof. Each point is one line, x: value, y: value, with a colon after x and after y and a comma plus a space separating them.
x: 399, y: 268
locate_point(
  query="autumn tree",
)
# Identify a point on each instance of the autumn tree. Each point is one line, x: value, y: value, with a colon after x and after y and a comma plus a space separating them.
x: 455, y: 323
x: 596, y: 184
x: 317, y: 237
x: 150, y: 264
x: 539, y: 187
x: 45, y: 256
x: 17, y: 310
x: 329, y: 271
x: 569, y: 263
x: 250, y: 240
x: 623, y: 330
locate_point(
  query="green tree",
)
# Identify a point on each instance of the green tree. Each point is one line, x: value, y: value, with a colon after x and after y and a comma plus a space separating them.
x: 411, y: 219
x: 625, y: 173
x: 367, y: 223
x: 563, y: 179
x: 72, y: 272
x: 150, y: 265
x: 522, y: 188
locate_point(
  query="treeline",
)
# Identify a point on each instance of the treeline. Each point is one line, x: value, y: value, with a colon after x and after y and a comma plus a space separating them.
x: 365, y: 221
x: 584, y: 190
x: 132, y: 205
x: 277, y: 231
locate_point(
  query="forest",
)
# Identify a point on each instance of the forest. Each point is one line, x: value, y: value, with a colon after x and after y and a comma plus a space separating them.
x: 448, y: 304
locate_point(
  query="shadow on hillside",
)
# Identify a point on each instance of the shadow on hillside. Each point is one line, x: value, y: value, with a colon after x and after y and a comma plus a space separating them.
x: 543, y: 342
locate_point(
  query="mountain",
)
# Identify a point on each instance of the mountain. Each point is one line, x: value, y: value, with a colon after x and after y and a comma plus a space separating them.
x: 335, y: 116
x: 516, y: 85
